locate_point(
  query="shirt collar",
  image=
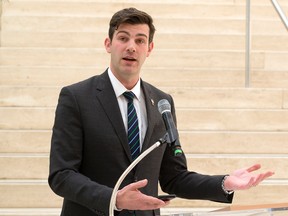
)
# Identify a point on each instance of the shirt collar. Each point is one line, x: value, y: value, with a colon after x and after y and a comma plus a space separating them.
x: 119, y: 89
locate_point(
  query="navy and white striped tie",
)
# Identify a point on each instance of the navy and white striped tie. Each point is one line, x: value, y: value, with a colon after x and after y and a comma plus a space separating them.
x: 133, y: 126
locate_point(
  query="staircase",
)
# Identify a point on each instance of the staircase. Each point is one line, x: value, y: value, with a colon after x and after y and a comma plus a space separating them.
x: 199, y: 58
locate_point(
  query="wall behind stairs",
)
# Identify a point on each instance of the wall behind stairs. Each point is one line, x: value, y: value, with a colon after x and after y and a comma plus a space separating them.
x: 199, y: 58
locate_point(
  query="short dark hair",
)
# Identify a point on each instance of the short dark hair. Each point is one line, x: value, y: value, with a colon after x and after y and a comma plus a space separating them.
x: 131, y: 16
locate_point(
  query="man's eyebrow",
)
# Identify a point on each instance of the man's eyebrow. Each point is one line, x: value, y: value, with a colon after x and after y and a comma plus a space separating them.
x: 139, y: 34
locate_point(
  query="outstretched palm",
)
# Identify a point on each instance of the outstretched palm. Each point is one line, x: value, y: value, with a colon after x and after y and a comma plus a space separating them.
x: 242, y: 179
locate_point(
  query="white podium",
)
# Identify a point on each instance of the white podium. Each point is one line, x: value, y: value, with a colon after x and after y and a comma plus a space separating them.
x: 279, y: 209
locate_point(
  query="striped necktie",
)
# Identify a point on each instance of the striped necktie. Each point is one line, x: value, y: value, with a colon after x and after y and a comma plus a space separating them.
x: 133, y: 127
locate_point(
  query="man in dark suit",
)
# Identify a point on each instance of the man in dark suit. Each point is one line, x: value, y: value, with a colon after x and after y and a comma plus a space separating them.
x: 89, y: 147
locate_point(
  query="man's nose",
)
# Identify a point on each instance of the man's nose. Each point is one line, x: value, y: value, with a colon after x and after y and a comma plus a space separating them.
x: 131, y: 47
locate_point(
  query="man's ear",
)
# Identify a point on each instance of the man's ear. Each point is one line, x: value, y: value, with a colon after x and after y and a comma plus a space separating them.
x: 107, y: 44
x: 150, y: 48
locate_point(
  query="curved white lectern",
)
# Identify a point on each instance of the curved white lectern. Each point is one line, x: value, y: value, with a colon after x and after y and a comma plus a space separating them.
x: 279, y: 209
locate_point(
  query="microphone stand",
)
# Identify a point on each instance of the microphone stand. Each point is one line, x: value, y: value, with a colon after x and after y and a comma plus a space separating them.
x: 129, y: 168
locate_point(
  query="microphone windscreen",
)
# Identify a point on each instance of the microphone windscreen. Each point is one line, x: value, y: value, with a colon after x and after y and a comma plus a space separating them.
x: 164, y: 106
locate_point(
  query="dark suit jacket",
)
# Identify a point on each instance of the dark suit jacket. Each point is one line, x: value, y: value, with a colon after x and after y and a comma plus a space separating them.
x: 89, y: 152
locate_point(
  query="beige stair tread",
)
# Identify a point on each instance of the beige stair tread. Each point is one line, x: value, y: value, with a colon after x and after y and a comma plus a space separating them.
x: 30, y: 211
x: 263, y: 194
x: 188, y: 119
x: 238, y: 98
x: 194, y: 142
x: 27, y: 118
x: 106, y: 9
x: 269, y: 42
x: 40, y: 196
x: 185, y: 58
x: 162, y: 41
x: 29, y: 96
x: 271, y: 79
x: 25, y: 141
x: 226, y: 163
x: 175, y: 41
x: 192, y: 77
x: 28, y: 194
x: 234, y: 120
x: 92, y: 24
x: 46, y: 76
x: 100, y: 24
x: 62, y: 76
x: 157, y: 9
x: 95, y: 57
x: 229, y: 142
x: 35, y: 166
x: 56, y: 211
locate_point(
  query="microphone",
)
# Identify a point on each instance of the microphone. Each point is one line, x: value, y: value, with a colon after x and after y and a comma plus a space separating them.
x: 164, y: 108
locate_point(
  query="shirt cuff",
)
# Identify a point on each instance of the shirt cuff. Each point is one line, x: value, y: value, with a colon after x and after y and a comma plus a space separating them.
x: 223, y: 188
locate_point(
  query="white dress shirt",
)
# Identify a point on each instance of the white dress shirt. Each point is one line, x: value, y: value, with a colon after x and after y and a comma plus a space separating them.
x: 138, y: 101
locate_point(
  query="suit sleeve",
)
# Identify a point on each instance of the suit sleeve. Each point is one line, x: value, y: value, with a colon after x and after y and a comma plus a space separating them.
x: 66, y: 157
x: 176, y: 179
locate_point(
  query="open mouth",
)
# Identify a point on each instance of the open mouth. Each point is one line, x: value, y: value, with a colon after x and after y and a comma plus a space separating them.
x: 129, y: 59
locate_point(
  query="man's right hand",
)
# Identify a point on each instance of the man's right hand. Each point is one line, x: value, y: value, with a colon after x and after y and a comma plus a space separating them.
x: 131, y: 198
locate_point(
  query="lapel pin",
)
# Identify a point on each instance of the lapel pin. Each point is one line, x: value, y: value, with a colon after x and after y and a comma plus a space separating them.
x: 152, y: 102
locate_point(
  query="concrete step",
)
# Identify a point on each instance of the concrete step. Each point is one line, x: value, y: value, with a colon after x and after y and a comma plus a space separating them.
x: 28, y: 194
x: 162, y: 41
x: 269, y: 43
x: 194, y: 142
x: 27, y: 118
x: 16, y: 197
x: 35, y: 166
x: 190, y: 77
x: 61, y: 76
x: 23, y: 194
x: 45, y: 76
x: 234, y: 120
x: 219, y: 98
x: 238, y: 98
x: 229, y: 142
x: 263, y: 194
x: 217, y: 142
x: 30, y: 211
x: 88, y: 57
x: 29, y: 96
x: 106, y: 9
x: 193, y: 77
x: 53, y: 57
x: 25, y: 141
x: 100, y: 24
x: 188, y: 119
x: 57, y: 211
x: 273, y: 79
x: 261, y: 9
x: 96, y: 40
x: 24, y: 166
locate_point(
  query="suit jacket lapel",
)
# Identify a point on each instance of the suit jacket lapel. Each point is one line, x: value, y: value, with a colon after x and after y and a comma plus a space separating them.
x: 108, y: 100
x: 152, y: 114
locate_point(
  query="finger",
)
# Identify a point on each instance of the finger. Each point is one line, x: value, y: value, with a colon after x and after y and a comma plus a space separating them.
x: 251, y: 182
x: 254, y: 167
x: 262, y: 177
x: 138, y: 184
